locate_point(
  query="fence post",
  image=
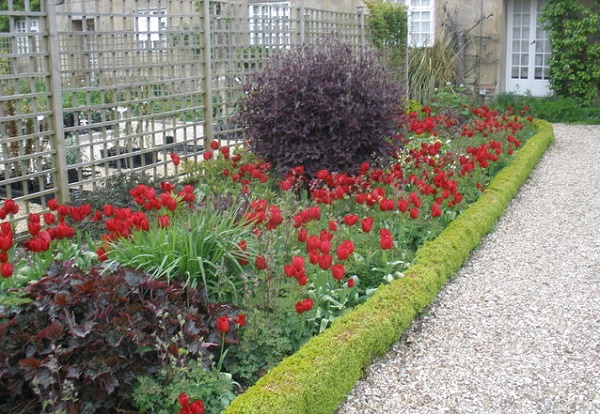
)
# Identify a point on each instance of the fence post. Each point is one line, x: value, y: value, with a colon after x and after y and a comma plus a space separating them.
x: 301, y: 21
x: 208, y: 94
x: 60, y: 157
x: 361, y: 19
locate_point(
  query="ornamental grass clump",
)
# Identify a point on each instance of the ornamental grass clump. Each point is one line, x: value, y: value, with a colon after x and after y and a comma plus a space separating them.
x: 322, y: 107
x: 202, y: 247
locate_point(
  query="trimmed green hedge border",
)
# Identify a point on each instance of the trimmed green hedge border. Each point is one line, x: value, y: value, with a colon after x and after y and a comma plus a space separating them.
x: 317, y: 378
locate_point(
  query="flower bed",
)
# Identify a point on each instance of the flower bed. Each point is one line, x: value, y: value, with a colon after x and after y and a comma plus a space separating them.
x: 272, y: 262
x: 317, y: 378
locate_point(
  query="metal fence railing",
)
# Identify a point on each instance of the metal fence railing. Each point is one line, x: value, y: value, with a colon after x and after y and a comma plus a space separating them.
x: 89, y: 89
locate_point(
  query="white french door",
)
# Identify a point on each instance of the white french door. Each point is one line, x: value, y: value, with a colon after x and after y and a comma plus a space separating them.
x: 528, y: 49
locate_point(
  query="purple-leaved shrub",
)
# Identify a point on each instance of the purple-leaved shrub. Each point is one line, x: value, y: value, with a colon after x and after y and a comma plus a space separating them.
x: 85, y: 337
x: 322, y: 107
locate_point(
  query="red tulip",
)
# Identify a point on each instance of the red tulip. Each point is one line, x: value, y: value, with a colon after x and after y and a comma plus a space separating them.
x: 298, y: 262
x: 337, y: 271
x: 49, y: 218
x: 184, y: 400
x: 11, y: 207
x: 304, y: 305
x: 240, y: 320
x: 260, y: 262
x: 302, y: 235
x: 367, y: 224
x: 403, y: 205
x: 325, y: 246
x: 175, y: 158
x: 101, y: 252
x: 342, y: 253
x: 436, y: 211
x: 163, y: 221
x: 6, y: 269
x: 34, y: 227
x: 325, y: 261
x: 414, y: 213
x: 386, y: 241
x: 350, y: 219
x: 313, y: 243
x: 223, y: 324
x: 166, y: 186
x: 6, y: 241
x: 197, y: 407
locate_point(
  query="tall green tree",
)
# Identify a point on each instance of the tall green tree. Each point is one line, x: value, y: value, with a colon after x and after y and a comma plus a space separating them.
x: 387, y: 30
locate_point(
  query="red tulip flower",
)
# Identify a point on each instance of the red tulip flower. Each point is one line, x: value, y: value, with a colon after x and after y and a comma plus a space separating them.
x: 367, y: 224
x: 436, y: 211
x: 197, y: 407
x: 163, y: 222
x: 52, y: 204
x: 240, y: 320
x: 49, y: 218
x: 304, y: 305
x: 6, y: 269
x: 101, y: 252
x: 325, y: 261
x: 350, y: 219
x: 10, y: 207
x: 175, y: 158
x: 386, y: 241
x: 338, y: 271
x: 302, y: 235
x: 223, y: 324
x: 403, y: 205
x: 6, y: 241
x: 414, y: 213
x: 260, y: 262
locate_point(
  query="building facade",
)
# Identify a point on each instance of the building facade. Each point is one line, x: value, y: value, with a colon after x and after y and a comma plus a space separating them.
x: 506, y: 49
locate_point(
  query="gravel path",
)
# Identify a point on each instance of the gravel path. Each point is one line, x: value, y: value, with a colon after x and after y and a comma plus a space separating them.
x: 517, y: 330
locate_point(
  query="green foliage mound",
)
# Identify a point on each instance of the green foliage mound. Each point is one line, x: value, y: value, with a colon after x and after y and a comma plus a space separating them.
x: 322, y: 107
x: 551, y: 109
x: 574, y: 30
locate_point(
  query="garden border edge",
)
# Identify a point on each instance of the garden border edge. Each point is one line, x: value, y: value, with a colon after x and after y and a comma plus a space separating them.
x: 317, y: 378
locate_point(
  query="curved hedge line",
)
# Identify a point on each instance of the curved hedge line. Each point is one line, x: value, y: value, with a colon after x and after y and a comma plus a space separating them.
x: 317, y: 378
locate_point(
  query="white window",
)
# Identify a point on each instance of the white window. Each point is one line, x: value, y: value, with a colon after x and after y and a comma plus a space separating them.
x: 270, y: 23
x: 420, y: 22
x: 151, y: 29
x: 27, y: 43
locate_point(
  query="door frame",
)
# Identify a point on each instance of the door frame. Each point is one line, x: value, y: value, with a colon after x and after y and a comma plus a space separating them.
x: 529, y: 85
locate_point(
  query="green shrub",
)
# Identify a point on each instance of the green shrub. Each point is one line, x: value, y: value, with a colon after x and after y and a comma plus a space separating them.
x: 574, y: 31
x: 551, y: 109
x: 157, y: 394
x: 387, y: 28
x: 321, y: 107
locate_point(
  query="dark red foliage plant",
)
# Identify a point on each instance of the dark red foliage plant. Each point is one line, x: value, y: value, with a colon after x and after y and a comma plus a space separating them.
x: 320, y: 106
x: 84, y: 338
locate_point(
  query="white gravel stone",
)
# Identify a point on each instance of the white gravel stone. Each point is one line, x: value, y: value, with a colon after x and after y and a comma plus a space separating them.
x: 517, y: 329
